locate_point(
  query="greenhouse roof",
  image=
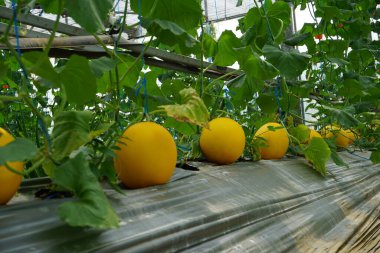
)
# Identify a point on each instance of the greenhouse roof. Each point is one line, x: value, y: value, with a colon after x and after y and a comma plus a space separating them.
x: 266, y: 206
x: 214, y: 10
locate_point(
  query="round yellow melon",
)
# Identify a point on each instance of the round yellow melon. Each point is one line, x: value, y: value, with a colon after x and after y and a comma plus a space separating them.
x: 9, y: 181
x: 277, y: 141
x: 314, y: 134
x: 147, y: 155
x: 223, y: 142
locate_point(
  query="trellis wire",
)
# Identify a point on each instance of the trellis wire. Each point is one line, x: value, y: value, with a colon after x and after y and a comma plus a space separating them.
x: 142, y: 82
x: 16, y: 29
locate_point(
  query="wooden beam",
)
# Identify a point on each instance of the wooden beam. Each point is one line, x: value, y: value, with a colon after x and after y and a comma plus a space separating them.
x: 23, y: 33
x: 45, y: 23
x: 87, y: 46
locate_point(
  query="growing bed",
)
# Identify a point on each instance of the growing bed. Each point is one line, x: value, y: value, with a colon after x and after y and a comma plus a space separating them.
x: 265, y: 206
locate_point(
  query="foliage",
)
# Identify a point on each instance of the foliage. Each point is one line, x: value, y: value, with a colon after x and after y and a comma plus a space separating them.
x: 70, y: 112
x: 92, y: 207
x: 193, y: 110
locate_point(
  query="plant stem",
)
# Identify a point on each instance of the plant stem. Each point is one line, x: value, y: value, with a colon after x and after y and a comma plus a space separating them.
x: 136, y: 60
x: 52, y: 35
x: 29, y: 102
x: 122, y: 24
x: 220, y: 78
x: 201, y: 65
x: 13, y: 170
x: 9, y: 99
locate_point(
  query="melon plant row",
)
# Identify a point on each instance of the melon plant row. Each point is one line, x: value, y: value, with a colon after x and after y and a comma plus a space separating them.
x: 81, y: 121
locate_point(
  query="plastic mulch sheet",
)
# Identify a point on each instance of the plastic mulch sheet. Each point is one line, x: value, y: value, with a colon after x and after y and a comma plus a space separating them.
x: 265, y: 206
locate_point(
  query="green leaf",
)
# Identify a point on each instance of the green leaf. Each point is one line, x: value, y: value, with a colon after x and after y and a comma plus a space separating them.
x: 210, y: 46
x: 280, y: 10
x: 3, y: 70
x: 257, y: 144
x: 102, y: 65
x: 351, y: 88
x: 181, y: 127
x: 375, y: 156
x: 318, y: 153
x: 71, y: 130
x: 193, y: 110
x: 170, y: 33
x: 338, y: 61
x: 187, y: 14
x: 39, y: 64
x: 92, y: 209
x: 171, y: 89
x: 18, y: 150
x: 243, y: 89
x: 239, y: 3
x: 89, y: 14
x: 127, y: 79
x: 360, y: 58
x: 297, y: 39
x: 334, y: 48
x: 50, y: 6
x: 344, y: 117
x: 254, y: 66
x: 328, y: 12
x: 300, y: 132
x: 290, y: 63
x: 267, y: 103
x: 49, y: 168
x: 334, y: 154
x: 78, y: 80
x: 226, y: 54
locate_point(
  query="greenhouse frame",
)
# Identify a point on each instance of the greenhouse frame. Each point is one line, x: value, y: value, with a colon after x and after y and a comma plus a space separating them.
x: 189, y: 126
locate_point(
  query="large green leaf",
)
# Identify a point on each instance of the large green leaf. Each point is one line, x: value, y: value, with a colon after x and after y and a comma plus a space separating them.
x: 243, y: 89
x: 185, y: 13
x: 50, y: 6
x: 78, y: 80
x: 18, y: 150
x: 300, y: 132
x: 170, y: 33
x: 39, y: 64
x: 181, y: 127
x: 297, y: 39
x: 128, y: 71
x: 254, y: 66
x: 343, y: 117
x: 226, y: 54
x: 280, y: 10
x: 267, y: 103
x: 261, y: 29
x: 334, y: 48
x: 290, y: 63
x: 89, y: 14
x: 171, y: 88
x: 71, y: 130
x: 210, y: 46
x: 351, y: 88
x: 318, y: 153
x: 334, y: 154
x: 101, y: 65
x: 92, y: 208
x: 154, y: 94
x: 328, y: 12
x: 193, y: 110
